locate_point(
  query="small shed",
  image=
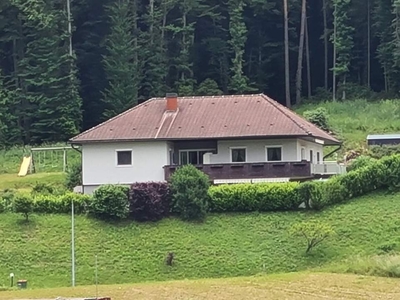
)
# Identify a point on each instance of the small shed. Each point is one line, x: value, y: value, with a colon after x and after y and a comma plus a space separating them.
x: 383, y: 139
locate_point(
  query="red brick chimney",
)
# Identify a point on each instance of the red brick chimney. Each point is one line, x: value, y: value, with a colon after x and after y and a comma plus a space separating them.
x: 172, y: 101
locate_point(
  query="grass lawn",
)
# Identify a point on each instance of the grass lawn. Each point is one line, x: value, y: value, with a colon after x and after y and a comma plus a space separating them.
x: 224, y: 246
x: 291, y: 286
x: 353, y: 120
x: 12, y: 181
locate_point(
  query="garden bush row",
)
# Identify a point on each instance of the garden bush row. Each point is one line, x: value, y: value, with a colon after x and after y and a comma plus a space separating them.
x: 189, y: 195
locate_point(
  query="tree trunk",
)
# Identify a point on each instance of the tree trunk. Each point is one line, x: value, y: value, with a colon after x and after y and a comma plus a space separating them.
x: 325, y: 44
x: 301, y: 52
x: 286, y: 29
x: 369, y: 46
x: 308, y: 61
x: 344, y: 88
x: 151, y: 4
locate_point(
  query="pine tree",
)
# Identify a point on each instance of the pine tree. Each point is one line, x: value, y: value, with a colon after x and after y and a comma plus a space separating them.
x: 382, y: 18
x: 48, y: 73
x: 10, y: 133
x: 237, y: 28
x: 121, y: 61
x: 343, y: 41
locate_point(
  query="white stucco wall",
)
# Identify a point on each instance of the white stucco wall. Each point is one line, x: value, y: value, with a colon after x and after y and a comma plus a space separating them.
x: 100, y: 163
x: 316, y: 148
x: 256, y: 150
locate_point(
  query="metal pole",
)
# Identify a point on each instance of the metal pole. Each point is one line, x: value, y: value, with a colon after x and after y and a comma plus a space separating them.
x: 73, y: 243
x: 97, y: 292
x: 64, y: 160
x: 72, y: 204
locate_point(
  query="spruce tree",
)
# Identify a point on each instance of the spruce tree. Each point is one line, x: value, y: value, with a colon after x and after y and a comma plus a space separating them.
x: 238, y: 31
x: 121, y: 60
x: 47, y: 69
x: 343, y: 41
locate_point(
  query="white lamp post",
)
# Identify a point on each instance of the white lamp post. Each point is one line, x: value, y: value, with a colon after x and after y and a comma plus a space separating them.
x: 72, y: 204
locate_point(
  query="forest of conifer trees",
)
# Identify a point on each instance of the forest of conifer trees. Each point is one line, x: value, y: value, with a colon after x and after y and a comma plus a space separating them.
x: 126, y: 51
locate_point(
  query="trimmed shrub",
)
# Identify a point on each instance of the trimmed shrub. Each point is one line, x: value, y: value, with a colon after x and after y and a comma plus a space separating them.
x: 189, y: 188
x: 361, y: 161
x: 254, y: 197
x: 51, y: 204
x: 74, y: 176
x: 334, y: 192
x: 318, y: 117
x: 149, y: 201
x: 110, y: 202
x: 23, y: 204
x: 310, y: 193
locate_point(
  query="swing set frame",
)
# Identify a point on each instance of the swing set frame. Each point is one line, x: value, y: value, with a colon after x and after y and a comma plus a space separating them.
x: 35, y: 152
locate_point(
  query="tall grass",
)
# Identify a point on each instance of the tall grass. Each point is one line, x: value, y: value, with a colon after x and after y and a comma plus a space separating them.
x: 44, y: 161
x: 387, y: 265
x: 354, y: 120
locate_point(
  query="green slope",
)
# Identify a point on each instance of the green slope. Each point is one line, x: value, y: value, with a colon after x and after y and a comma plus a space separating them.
x: 225, y: 246
x: 353, y: 120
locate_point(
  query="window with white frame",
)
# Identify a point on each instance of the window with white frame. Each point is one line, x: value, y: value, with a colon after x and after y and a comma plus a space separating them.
x: 124, y: 157
x: 274, y: 153
x: 192, y: 157
x: 303, y: 153
x: 318, y: 158
x: 238, y: 155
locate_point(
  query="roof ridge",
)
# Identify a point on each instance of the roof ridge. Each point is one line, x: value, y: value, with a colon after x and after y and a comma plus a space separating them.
x: 283, y: 110
x: 226, y: 96
x: 112, y: 119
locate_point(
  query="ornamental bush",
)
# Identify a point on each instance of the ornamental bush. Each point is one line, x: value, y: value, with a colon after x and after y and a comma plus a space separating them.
x: 110, y: 202
x: 189, y: 188
x: 149, y: 201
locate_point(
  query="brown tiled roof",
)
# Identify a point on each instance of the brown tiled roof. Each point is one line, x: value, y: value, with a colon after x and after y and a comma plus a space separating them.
x: 209, y: 117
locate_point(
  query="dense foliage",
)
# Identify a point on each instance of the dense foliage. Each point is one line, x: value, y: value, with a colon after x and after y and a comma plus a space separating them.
x: 130, y: 50
x: 318, y: 117
x: 149, y: 201
x: 254, y: 197
x: 23, y: 204
x: 189, y: 188
x: 110, y: 202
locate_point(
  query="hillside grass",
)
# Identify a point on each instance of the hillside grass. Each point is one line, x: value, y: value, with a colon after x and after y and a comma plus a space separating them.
x: 353, y: 120
x: 303, y: 286
x: 227, y: 245
x: 12, y: 181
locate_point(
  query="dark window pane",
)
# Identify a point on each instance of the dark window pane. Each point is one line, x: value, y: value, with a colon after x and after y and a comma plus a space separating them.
x: 238, y: 155
x: 311, y: 156
x: 193, y: 157
x: 274, y: 154
x: 124, y: 158
x: 184, y: 158
x: 318, y: 158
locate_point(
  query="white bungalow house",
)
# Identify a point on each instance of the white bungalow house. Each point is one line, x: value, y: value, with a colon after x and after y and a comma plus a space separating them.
x: 239, y: 138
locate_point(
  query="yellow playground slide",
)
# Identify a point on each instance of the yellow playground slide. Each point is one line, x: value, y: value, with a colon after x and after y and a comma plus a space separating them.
x: 25, y: 166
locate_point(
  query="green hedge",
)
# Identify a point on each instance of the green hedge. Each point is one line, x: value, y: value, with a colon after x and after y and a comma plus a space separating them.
x: 381, y: 174
x: 51, y: 204
x: 254, y: 197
